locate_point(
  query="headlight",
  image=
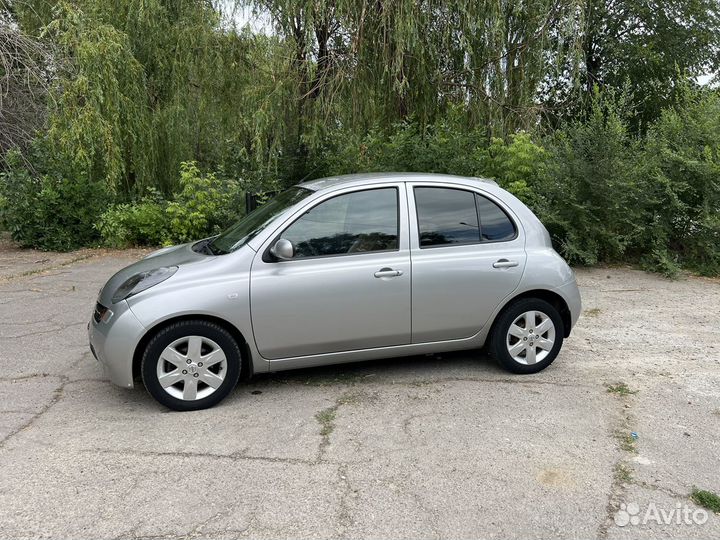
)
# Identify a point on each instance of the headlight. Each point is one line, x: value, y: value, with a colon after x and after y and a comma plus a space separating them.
x: 142, y: 281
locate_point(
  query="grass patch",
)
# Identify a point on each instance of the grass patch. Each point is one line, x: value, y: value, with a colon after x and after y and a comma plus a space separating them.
x: 706, y: 499
x: 326, y: 418
x: 592, y: 312
x: 627, y: 442
x: 623, y: 473
x: 620, y: 389
x: 41, y: 270
x: 348, y: 378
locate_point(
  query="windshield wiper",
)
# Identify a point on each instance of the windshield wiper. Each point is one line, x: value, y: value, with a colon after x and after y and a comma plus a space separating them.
x: 213, y: 250
x: 204, y: 247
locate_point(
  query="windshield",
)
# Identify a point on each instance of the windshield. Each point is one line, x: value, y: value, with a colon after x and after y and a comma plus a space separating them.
x: 250, y: 226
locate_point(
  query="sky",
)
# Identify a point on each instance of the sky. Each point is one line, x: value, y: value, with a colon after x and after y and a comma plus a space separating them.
x: 242, y: 16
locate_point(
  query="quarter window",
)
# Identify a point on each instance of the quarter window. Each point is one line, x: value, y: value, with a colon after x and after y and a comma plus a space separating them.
x: 495, y: 225
x: 357, y: 222
x: 454, y: 216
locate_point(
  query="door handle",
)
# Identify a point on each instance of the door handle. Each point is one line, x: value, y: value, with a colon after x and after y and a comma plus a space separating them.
x: 504, y: 263
x: 388, y: 272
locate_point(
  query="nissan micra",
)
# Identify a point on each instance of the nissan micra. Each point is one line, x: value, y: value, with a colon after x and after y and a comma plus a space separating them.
x: 336, y: 270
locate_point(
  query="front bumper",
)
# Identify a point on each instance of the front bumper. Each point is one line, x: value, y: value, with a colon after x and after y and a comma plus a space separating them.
x: 113, y: 343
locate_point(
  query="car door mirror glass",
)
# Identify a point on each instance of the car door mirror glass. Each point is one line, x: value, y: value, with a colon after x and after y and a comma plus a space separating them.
x: 283, y: 250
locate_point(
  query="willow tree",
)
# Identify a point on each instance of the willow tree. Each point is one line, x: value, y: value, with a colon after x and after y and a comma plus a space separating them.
x: 364, y: 62
x: 98, y: 120
x: 144, y: 85
x: 25, y: 63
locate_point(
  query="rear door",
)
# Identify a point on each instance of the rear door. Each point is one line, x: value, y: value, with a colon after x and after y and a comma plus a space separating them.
x: 468, y: 254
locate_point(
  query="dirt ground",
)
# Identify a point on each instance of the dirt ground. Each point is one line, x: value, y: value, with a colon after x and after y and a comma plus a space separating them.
x: 608, y: 442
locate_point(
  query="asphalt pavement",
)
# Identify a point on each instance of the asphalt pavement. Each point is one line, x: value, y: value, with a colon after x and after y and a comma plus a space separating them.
x: 622, y: 426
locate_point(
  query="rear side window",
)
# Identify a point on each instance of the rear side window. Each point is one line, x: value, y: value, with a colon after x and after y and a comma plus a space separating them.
x: 495, y: 225
x: 449, y: 216
x: 446, y: 216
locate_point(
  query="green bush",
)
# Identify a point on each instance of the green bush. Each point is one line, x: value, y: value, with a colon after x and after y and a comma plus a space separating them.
x: 518, y: 166
x: 201, y: 207
x: 683, y: 161
x: 50, y: 211
x: 134, y: 224
x: 605, y: 195
x: 594, y: 192
x: 204, y: 206
x: 442, y: 147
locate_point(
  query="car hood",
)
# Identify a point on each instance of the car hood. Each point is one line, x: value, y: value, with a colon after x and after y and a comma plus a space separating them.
x: 182, y: 256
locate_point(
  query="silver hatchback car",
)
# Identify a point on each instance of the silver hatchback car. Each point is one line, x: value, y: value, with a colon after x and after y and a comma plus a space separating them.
x: 336, y: 270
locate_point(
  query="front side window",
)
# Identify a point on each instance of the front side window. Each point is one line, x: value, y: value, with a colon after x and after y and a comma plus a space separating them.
x: 357, y: 222
x: 449, y: 216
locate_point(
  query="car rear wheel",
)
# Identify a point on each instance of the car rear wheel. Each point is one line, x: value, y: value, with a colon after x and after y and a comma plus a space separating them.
x: 527, y: 336
x: 191, y: 365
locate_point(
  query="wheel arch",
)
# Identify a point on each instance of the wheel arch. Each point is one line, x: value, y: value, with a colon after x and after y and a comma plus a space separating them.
x: 246, y: 366
x: 552, y: 298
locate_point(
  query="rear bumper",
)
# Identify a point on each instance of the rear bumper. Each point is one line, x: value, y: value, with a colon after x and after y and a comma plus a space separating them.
x: 571, y: 294
x: 113, y: 343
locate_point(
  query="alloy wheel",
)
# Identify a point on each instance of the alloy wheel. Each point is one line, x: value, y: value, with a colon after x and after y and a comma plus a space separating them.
x: 531, y: 337
x: 191, y: 368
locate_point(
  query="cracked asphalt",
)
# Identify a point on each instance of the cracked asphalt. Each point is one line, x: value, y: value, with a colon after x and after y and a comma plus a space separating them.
x: 423, y: 447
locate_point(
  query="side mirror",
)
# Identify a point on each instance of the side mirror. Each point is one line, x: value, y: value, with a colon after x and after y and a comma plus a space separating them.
x: 283, y: 250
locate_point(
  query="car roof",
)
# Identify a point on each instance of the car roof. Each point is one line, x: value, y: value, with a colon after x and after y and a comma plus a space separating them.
x: 365, y: 178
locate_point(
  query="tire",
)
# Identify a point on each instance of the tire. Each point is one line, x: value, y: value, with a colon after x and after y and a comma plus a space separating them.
x: 198, y: 362
x: 513, y: 317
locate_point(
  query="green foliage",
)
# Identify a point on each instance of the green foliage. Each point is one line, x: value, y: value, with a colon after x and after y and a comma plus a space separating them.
x: 203, y: 206
x: 443, y: 147
x: 98, y: 117
x: 706, y: 499
x: 134, y: 224
x: 683, y: 161
x: 647, y: 47
x: 146, y: 85
x: 594, y: 189
x: 52, y: 210
x: 519, y: 167
x: 586, y: 110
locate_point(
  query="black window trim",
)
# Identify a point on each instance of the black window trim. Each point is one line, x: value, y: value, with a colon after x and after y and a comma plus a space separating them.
x: 267, y: 257
x: 477, y: 212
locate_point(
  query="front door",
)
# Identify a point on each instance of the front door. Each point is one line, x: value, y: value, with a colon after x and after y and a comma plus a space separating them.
x: 347, y: 286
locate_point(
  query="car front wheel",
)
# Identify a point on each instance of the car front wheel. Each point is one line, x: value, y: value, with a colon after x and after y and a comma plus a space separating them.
x: 527, y: 336
x: 191, y: 365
